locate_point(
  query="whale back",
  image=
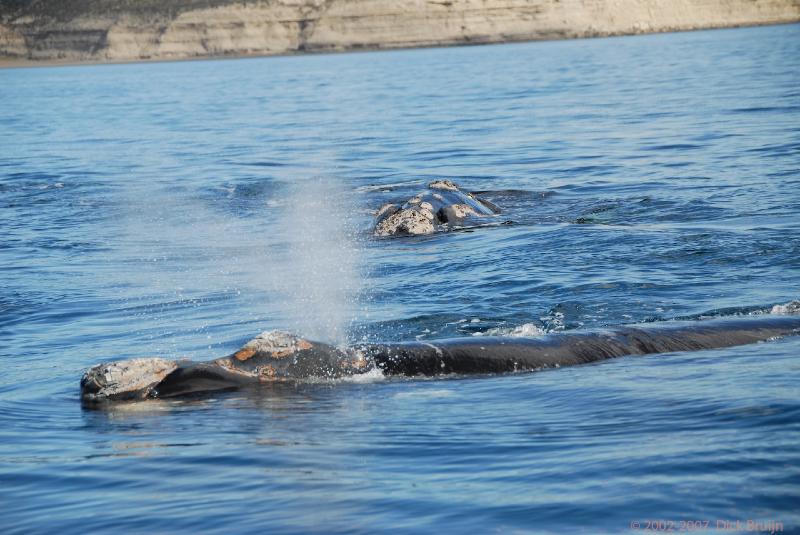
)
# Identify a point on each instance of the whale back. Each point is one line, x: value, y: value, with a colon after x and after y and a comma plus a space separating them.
x: 493, y: 354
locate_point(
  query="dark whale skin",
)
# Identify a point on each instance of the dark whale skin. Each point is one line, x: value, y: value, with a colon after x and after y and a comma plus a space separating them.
x: 294, y: 359
x: 492, y: 354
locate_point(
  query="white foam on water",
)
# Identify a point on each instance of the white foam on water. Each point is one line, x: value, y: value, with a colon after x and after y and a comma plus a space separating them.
x: 526, y: 329
x: 373, y: 376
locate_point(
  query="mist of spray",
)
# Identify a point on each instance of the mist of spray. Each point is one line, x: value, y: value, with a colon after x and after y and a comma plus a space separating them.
x: 294, y: 263
x: 321, y: 280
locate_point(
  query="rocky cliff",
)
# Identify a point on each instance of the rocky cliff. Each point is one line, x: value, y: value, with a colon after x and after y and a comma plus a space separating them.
x: 116, y: 30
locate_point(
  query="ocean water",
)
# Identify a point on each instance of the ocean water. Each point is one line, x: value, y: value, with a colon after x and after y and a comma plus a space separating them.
x: 178, y: 209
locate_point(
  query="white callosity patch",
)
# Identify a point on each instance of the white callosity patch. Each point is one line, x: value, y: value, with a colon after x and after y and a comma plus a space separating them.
x: 276, y: 342
x: 444, y: 185
x: 130, y: 378
x: 442, y: 206
x: 386, y: 210
x: 792, y: 307
x: 459, y: 211
x: 410, y: 221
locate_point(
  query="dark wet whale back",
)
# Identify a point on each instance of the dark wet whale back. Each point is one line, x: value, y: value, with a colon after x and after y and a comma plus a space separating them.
x: 504, y: 354
x: 278, y: 356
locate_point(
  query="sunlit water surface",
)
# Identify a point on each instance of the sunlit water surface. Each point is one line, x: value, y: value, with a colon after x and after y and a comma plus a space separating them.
x: 178, y: 209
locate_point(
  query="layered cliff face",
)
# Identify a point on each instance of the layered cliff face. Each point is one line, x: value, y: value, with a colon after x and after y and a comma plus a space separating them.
x: 102, y: 30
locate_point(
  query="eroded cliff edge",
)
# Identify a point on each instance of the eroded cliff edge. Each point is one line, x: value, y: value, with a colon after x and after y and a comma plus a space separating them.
x: 122, y: 30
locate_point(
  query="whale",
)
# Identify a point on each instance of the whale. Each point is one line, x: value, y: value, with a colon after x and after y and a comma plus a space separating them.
x: 279, y: 356
x: 442, y: 206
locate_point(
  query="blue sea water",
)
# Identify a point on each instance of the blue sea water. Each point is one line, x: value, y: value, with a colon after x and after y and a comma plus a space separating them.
x: 178, y: 209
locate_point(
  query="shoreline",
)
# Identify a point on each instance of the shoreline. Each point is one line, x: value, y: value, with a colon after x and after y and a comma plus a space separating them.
x: 18, y: 63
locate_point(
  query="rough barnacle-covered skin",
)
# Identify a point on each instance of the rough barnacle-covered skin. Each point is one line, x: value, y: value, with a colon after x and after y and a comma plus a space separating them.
x: 127, y: 379
x: 443, y: 205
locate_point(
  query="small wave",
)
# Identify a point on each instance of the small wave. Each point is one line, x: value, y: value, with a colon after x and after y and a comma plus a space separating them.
x: 526, y: 329
x: 767, y: 109
x: 424, y: 394
x: 673, y: 146
x: 56, y: 185
x: 789, y: 308
x: 391, y: 187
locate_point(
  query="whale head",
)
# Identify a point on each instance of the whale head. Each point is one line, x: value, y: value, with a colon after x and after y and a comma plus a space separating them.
x: 442, y: 206
x: 124, y: 380
x: 281, y: 356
